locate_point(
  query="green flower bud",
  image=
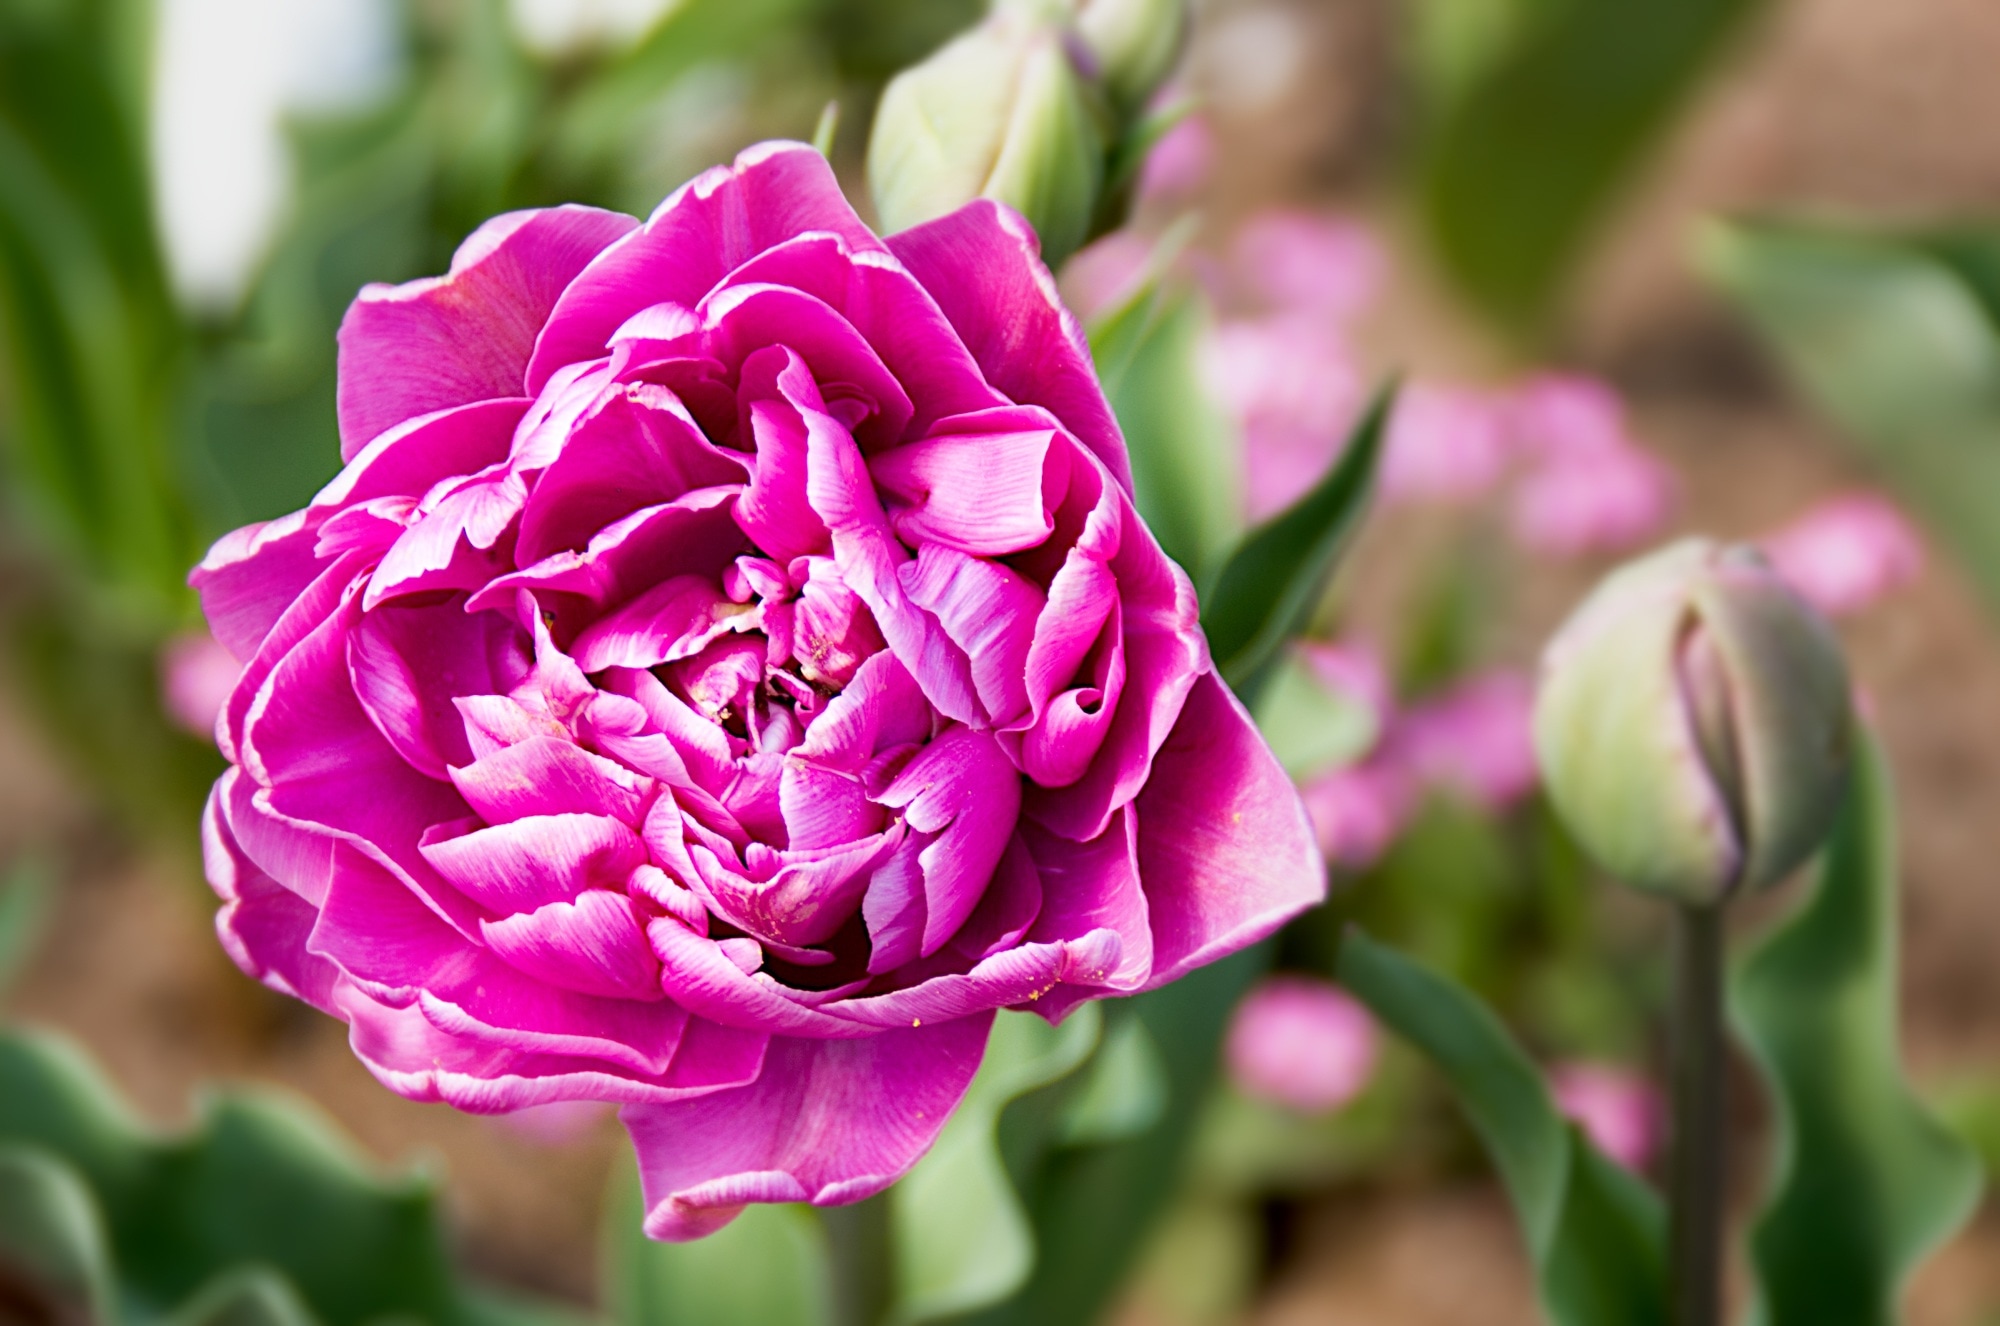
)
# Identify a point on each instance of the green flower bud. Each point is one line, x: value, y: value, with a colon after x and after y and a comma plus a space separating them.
x: 1693, y: 723
x: 1002, y: 112
x: 1136, y: 43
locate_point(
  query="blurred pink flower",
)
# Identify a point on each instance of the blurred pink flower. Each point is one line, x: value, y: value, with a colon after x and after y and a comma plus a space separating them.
x: 1445, y: 444
x: 196, y: 677
x: 1178, y: 166
x: 1098, y: 277
x: 1309, y: 264
x: 1618, y: 1110
x: 1474, y: 738
x: 1844, y: 554
x: 1302, y: 1044
x: 1353, y: 668
x: 1357, y: 811
x: 1589, y: 486
x: 556, y: 1122
x: 1293, y: 387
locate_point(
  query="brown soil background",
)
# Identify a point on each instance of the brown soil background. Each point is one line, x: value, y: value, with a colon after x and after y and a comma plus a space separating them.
x: 1848, y: 107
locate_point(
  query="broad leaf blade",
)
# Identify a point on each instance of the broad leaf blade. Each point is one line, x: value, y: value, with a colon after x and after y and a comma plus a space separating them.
x: 1187, y: 460
x: 1266, y: 591
x: 1867, y: 1181
x: 1594, y: 1232
x: 1896, y: 341
x: 962, y: 1239
x: 767, y: 1267
x: 53, y: 1258
x: 1522, y: 161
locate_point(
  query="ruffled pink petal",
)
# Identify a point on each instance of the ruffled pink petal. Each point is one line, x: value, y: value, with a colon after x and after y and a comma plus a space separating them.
x: 711, y: 225
x: 409, y: 663
x: 962, y: 788
x: 548, y: 776
x: 262, y: 924
x: 989, y: 611
x: 593, y: 945
x: 1095, y: 886
x: 1225, y: 848
x: 983, y: 266
x: 858, y: 388
x: 450, y: 340
x: 416, y: 455
x: 251, y: 576
x: 987, y: 494
x: 827, y: 1122
x: 675, y: 619
x: 541, y: 859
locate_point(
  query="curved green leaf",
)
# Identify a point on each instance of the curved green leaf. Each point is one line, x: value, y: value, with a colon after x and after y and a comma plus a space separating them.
x: 1187, y: 460
x: 961, y: 1238
x: 1867, y: 1182
x: 767, y: 1267
x: 1125, y: 1092
x: 1541, y: 127
x: 52, y: 1249
x: 262, y: 1179
x: 1266, y: 591
x: 1898, y: 341
x: 1595, y: 1233
x: 247, y: 1296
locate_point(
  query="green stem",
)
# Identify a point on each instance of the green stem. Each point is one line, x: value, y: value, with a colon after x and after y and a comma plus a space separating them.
x: 1696, y: 1182
x: 858, y: 1238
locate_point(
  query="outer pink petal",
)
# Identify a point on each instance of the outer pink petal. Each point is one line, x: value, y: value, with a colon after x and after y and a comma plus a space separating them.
x: 828, y: 1122
x: 262, y: 924
x: 1226, y: 851
x: 711, y: 225
x: 251, y: 576
x: 983, y: 266
x: 449, y: 340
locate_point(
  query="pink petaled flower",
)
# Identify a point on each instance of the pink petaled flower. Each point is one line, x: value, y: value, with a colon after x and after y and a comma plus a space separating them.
x: 1589, y: 486
x: 1292, y: 385
x: 728, y: 668
x: 1846, y: 553
x: 1302, y: 1044
x: 1357, y: 811
x: 1178, y: 166
x: 1475, y: 738
x: 196, y: 677
x: 1619, y: 1111
x: 1309, y: 264
x: 1445, y: 444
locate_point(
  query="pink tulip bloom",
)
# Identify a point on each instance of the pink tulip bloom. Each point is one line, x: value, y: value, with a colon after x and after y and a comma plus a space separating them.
x: 196, y: 677
x: 1300, y: 1043
x: 1474, y: 738
x: 1308, y: 264
x: 1359, y: 810
x: 729, y: 667
x: 1445, y: 444
x: 1178, y: 166
x: 1846, y: 553
x: 1293, y: 387
x: 1619, y: 1111
x: 1588, y: 486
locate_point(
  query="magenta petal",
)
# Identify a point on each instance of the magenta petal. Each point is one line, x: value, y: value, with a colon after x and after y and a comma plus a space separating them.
x: 984, y: 268
x: 262, y: 924
x: 541, y: 859
x: 1018, y: 977
x: 547, y: 776
x: 962, y: 788
x: 1225, y: 845
x: 449, y: 340
x: 742, y: 320
x: 709, y: 985
x: 989, y: 612
x: 675, y: 619
x: 827, y: 1122
x: 251, y: 576
x: 414, y: 456
x: 985, y: 495
x: 592, y: 945
x: 711, y: 225
x: 409, y: 663
x: 1087, y: 887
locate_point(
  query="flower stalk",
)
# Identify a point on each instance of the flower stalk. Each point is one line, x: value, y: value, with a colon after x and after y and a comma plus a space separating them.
x: 1697, y: 1180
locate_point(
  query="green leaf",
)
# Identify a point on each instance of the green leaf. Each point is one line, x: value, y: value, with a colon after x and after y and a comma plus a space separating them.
x: 247, y: 1296
x: 961, y: 1238
x: 767, y: 1267
x: 52, y: 1247
x: 1093, y: 1208
x: 1594, y: 1232
x: 1897, y: 342
x: 1540, y: 112
x: 261, y: 1179
x: 1187, y: 460
x: 24, y: 901
x: 1266, y: 591
x: 1867, y: 1182
x: 1125, y: 1091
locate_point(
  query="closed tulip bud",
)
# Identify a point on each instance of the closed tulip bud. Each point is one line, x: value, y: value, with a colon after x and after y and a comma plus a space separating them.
x: 1006, y: 112
x: 1693, y: 723
x: 1136, y: 43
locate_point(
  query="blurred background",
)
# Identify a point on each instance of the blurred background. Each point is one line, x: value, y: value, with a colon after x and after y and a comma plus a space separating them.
x: 1738, y: 263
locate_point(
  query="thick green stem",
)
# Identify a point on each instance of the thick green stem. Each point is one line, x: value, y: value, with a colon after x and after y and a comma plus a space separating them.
x: 1696, y: 1183
x: 858, y: 1238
